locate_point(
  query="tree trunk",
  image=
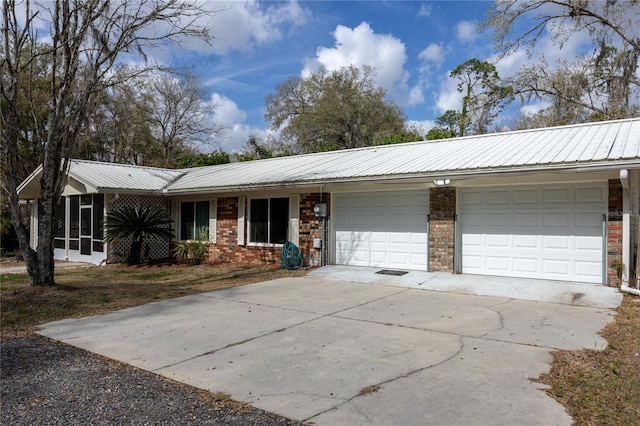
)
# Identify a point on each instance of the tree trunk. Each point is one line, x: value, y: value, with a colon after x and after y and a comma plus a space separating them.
x: 134, y: 253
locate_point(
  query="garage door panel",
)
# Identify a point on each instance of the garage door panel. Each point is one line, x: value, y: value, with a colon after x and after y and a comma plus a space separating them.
x: 471, y: 197
x: 553, y: 232
x: 360, y: 201
x: 498, y: 241
x: 472, y: 240
x: 526, y: 219
x: 588, y: 271
x: 497, y: 218
x: 557, y: 195
x: 591, y: 221
x: 497, y: 264
x: 526, y: 266
x: 526, y: 196
x: 399, y: 238
x: 589, y: 194
x: 527, y: 242
x: 472, y: 219
x: 558, y: 242
x: 556, y: 219
x: 497, y: 197
x: 380, y: 220
x: 384, y: 230
x: 588, y: 244
x: 557, y: 267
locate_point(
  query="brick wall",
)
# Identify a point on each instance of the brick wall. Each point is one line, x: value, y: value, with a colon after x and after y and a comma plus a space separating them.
x: 441, y: 229
x: 614, y: 229
x: 311, y: 227
x: 227, y: 250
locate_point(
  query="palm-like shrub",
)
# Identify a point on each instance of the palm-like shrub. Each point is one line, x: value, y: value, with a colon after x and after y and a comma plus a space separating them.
x: 193, y: 251
x: 138, y: 224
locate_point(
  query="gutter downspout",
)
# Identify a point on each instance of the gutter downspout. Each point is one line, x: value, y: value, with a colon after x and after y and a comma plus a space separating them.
x: 626, y: 230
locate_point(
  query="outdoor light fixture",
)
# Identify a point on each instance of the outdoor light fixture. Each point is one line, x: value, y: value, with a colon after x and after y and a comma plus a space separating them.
x: 442, y: 182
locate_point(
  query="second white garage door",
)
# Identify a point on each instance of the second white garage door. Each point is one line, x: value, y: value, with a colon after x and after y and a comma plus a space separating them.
x: 548, y: 232
x: 381, y: 229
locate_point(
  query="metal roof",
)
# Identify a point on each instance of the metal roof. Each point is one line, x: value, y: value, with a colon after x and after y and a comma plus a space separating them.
x: 583, y: 146
x: 123, y: 177
x: 591, y: 146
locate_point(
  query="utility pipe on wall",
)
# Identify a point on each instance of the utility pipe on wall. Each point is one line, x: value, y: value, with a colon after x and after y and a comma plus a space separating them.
x: 626, y: 229
x: 626, y: 220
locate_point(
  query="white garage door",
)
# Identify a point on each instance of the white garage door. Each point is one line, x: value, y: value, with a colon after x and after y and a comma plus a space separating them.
x: 547, y: 232
x: 381, y: 229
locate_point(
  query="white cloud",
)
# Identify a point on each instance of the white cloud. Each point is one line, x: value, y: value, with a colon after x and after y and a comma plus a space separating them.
x: 423, y: 126
x: 226, y: 112
x: 425, y: 10
x: 362, y: 46
x: 449, y: 97
x: 237, y: 132
x: 534, y: 108
x: 416, y: 96
x: 432, y: 53
x: 244, y: 24
x: 466, y: 31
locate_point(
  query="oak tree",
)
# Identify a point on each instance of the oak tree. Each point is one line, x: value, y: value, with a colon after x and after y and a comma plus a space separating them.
x: 331, y: 110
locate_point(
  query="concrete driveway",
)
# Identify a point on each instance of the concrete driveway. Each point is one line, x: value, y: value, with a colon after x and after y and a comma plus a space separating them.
x: 338, y: 352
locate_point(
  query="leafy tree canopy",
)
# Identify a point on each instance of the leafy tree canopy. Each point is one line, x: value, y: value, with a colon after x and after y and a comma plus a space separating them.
x: 199, y: 160
x: 333, y: 110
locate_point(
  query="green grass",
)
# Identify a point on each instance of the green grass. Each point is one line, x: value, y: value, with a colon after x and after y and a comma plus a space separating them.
x: 95, y: 290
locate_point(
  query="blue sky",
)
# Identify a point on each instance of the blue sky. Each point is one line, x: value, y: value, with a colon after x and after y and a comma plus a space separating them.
x: 412, y: 44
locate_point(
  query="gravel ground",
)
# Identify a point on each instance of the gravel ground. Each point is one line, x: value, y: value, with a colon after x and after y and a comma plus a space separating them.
x: 43, y: 382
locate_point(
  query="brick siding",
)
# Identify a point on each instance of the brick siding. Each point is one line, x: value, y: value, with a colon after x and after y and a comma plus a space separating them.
x: 441, y: 229
x: 227, y: 250
x: 311, y: 227
x: 614, y: 229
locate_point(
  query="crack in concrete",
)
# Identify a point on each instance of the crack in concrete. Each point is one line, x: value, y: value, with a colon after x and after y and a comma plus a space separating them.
x: 393, y: 379
x: 279, y: 330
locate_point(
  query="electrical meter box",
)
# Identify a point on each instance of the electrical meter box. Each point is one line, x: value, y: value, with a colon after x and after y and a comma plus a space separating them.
x: 320, y: 210
x: 317, y: 243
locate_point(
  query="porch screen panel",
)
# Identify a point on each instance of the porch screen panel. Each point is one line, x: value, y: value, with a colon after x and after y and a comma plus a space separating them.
x: 74, y: 217
x: 85, y: 230
x: 61, y: 210
x: 74, y: 222
x: 98, y: 212
x: 85, y: 222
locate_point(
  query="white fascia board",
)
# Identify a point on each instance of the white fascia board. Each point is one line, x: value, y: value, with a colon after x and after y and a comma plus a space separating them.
x: 29, y: 180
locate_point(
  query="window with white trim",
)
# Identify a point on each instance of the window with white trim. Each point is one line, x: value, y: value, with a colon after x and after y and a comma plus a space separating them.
x: 268, y: 220
x: 194, y: 220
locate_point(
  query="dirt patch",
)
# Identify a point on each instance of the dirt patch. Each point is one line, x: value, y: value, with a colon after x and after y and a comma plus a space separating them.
x: 602, y: 387
x: 367, y: 390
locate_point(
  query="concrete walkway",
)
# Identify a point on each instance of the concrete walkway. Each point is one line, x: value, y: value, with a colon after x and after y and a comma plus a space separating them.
x: 348, y: 353
x: 57, y: 265
x: 568, y: 293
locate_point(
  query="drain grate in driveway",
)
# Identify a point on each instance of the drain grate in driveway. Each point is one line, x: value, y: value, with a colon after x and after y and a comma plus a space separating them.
x: 392, y: 272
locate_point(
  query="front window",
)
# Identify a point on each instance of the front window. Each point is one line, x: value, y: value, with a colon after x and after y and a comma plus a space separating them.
x: 194, y: 220
x: 269, y: 220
